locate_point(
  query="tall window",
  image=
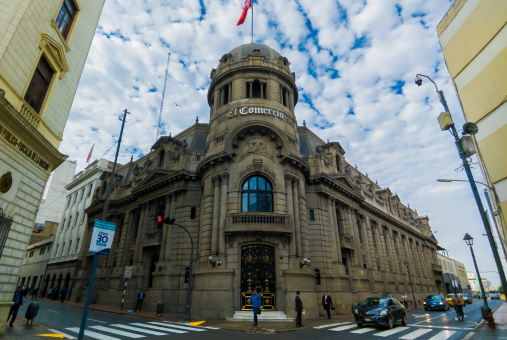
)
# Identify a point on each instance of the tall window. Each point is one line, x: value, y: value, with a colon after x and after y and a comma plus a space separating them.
x: 82, y: 194
x: 284, y: 96
x: 257, y: 195
x: 66, y: 17
x: 39, y: 84
x: 70, y: 245
x: 256, y: 89
x: 225, y: 94
x: 77, y: 219
x: 90, y: 192
x: 77, y: 243
x: 161, y: 158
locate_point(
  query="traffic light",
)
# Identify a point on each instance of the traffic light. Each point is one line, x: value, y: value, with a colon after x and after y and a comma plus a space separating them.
x: 166, y: 220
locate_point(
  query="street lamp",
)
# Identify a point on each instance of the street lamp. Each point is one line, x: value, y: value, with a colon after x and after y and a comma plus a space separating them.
x: 410, y: 280
x: 446, y: 123
x: 470, y: 241
x: 168, y: 220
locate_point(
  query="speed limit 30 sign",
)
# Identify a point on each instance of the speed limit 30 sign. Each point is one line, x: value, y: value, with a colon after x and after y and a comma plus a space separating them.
x: 102, y: 237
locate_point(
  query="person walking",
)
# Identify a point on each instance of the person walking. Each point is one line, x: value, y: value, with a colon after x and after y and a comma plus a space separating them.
x: 256, y: 304
x: 63, y: 294
x: 299, y: 309
x: 390, y: 295
x: 405, y: 301
x: 34, y: 293
x: 18, y: 301
x: 140, y: 298
x: 327, y: 302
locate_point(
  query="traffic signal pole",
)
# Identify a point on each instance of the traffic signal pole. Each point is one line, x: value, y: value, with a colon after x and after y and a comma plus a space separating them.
x: 103, y: 218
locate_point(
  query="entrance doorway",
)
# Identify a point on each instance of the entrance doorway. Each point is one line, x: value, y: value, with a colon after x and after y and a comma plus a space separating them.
x: 258, y: 272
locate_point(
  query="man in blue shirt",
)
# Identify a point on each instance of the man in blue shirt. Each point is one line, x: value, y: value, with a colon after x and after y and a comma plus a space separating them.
x: 140, y: 299
x: 18, y: 301
x: 256, y: 304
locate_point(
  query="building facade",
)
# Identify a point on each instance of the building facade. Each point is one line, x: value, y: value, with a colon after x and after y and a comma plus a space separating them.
x: 461, y: 273
x: 65, y: 255
x: 269, y: 205
x: 43, y: 48
x: 34, y: 265
x: 473, y: 36
x: 451, y: 280
x: 53, y: 200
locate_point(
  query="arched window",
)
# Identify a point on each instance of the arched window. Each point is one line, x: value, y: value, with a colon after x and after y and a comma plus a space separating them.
x: 161, y: 158
x: 257, y: 195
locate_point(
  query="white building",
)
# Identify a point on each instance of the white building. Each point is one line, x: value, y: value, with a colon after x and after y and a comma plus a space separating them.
x: 53, y: 200
x: 34, y: 265
x: 474, y: 283
x: 67, y: 243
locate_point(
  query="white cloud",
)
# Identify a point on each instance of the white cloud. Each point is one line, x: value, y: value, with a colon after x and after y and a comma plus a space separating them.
x: 394, y: 137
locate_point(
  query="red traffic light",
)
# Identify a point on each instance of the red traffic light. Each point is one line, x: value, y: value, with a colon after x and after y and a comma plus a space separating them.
x: 160, y: 219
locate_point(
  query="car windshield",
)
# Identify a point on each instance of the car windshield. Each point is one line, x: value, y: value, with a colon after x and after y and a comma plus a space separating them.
x: 465, y: 296
x: 434, y: 297
x: 375, y: 302
x: 450, y: 296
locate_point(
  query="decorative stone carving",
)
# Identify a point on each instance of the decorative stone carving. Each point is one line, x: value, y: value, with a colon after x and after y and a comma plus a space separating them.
x: 256, y: 147
x: 253, y: 168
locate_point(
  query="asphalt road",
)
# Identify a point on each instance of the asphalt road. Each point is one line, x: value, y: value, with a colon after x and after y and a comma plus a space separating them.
x: 432, y: 325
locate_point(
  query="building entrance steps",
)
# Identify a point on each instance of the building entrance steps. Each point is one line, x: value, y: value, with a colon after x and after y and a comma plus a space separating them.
x: 269, y: 316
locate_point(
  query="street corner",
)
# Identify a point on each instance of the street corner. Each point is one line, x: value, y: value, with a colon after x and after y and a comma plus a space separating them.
x: 21, y: 331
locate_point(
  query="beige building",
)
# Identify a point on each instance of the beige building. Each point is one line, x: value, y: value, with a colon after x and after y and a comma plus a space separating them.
x: 43, y: 48
x: 461, y: 273
x: 269, y: 205
x: 34, y: 265
x: 473, y: 36
x: 453, y: 277
x: 73, y: 221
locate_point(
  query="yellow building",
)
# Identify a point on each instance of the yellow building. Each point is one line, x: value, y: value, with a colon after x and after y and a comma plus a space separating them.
x: 43, y: 49
x: 473, y: 36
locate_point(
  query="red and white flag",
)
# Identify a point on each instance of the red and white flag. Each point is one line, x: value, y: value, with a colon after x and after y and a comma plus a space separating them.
x: 90, y: 154
x: 246, y: 6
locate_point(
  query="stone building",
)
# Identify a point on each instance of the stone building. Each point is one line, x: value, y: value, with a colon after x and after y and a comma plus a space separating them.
x: 268, y: 203
x: 43, y: 49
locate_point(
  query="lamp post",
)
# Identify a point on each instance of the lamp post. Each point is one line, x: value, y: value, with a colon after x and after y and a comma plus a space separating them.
x: 470, y: 241
x: 446, y: 123
x: 169, y: 220
x: 410, y: 280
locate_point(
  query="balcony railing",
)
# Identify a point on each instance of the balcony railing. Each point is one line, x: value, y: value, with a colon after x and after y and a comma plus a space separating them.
x: 258, y: 218
x: 30, y: 115
x: 259, y: 222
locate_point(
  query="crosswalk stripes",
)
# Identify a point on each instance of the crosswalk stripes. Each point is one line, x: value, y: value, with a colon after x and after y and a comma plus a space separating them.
x: 443, y: 335
x: 363, y: 330
x: 391, y: 331
x: 416, y: 334
x: 342, y: 328
x: 118, y: 332
x: 332, y: 325
x: 192, y: 328
x: 139, y: 330
x: 165, y: 329
x: 93, y: 334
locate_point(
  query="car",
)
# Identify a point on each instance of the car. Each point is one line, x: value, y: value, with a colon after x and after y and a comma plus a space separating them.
x: 468, y: 298
x: 450, y: 298
x: 435, y: 302
x: 380, y: 312
x: 494, y: 296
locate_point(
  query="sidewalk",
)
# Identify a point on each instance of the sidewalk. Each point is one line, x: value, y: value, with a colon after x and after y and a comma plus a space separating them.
x: 22, y: 331
x: 483, y: 331
x: 230, y: 325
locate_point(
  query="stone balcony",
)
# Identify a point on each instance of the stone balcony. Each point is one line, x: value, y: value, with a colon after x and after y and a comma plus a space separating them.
x: 253, y: 222
x: 347, y: 241
x: 152, y: 238
x: 436, y: 267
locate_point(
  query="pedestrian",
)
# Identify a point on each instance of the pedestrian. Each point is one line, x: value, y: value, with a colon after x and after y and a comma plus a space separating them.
x: 25, y: 291
x: 404, y: 298
x: 34, y: 293
x: 48, y: 293
x: 63, y: 294
x: 389, y: 294
x: 256, y: 304
x: 140, y: 298
x: 327, y: 303
x: 299, y: 309
x: 18, y: 301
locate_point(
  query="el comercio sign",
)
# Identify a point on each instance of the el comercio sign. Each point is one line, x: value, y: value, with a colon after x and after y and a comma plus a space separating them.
x: 255, y: 111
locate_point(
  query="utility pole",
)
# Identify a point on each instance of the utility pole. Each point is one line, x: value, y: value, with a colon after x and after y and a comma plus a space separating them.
x: 103, y: 218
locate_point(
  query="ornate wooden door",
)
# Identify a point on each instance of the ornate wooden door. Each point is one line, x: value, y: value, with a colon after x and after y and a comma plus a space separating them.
x: 258, y: 272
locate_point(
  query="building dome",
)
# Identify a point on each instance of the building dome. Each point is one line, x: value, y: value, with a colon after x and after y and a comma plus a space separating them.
x: 246, y: 49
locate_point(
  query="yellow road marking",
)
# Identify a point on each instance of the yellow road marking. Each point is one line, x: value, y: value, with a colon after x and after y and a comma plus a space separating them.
x: 51, y: 335
x: 197, y: 323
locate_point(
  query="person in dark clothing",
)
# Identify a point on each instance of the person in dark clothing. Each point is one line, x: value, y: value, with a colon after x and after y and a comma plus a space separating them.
x: 34, y: 293
x: 63, y: 294
x: 140, y: 298
x: 18, y: 301
x: 327, y: 302
x: 299, y: 309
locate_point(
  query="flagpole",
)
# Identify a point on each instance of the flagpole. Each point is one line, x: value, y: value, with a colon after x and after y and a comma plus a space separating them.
x: 252, y: 18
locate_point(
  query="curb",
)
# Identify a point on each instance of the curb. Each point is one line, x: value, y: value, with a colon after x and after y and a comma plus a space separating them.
x: 482, y: 321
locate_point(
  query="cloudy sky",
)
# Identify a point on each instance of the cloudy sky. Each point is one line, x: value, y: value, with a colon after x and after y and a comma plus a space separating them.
x: 355, y: 63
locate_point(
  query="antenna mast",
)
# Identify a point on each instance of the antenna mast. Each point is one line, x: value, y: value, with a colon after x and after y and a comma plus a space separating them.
x: 163, y: 97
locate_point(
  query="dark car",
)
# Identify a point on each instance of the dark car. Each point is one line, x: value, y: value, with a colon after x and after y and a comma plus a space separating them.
x: 380, y: 312
x: 468, y: 298
x: 435, y: 302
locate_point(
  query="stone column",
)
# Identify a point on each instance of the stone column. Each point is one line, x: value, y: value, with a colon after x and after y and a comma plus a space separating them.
x: 250, y: 86
x: 297, y: 222
x: 367, y: 243
x: 229, y: 99
x: 130, y: 235
x: 379, y: 247
x: 305, y: 245
x: 403, y: 270
x: 423, y: 260
x: 290, y: 212
x: 223, y: 211
x: 417, y: 262
x: 332, y: 232
x: 391, y: 250
x: 408, y: 257
x: 222, y: 96
x: 85, y: 245
x: 165, y: 238
x: 357, y: 240
x: 262, y: 90
x: 140, y: 231
x: 172, y: 213
x: 216, y: 206
x: 337, y: 233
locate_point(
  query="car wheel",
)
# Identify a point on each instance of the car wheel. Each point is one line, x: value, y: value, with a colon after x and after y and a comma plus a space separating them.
x: 390, y: 324
x: 360, y: 325
x: 448, y: 307
x: 425, y: 308
x: 404, y: 320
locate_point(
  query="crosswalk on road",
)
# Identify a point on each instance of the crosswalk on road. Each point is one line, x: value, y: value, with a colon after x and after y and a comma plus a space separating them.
x: 135, y: 330
x: 404, y: 333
